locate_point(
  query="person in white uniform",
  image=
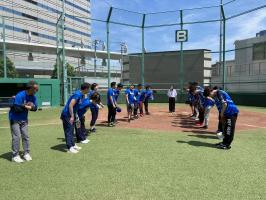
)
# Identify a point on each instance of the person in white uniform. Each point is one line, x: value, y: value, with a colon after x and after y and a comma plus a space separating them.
x: 172, y: 94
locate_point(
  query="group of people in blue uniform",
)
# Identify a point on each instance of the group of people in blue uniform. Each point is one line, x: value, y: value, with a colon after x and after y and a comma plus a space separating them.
x: 202, y: 100
x: 88, y: 97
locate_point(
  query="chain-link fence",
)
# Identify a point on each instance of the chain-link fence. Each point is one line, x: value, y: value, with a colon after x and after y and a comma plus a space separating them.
x: 114, y: 44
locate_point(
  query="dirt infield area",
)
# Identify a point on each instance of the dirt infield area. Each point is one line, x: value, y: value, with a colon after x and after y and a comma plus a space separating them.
x: 160, y: 119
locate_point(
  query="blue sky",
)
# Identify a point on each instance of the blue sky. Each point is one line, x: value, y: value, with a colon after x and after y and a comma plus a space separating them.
x: 201, y: 36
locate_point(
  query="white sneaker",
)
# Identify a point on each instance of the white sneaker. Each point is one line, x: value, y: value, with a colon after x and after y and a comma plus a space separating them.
x: 85, y: 141
x: 17, y: 159
x: 76, y: 147
x: 27, y: 157
x: 72, y: 150
x: 220, y: 135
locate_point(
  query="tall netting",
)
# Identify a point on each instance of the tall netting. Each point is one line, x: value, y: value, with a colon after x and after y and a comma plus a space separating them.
x: 223, y: 47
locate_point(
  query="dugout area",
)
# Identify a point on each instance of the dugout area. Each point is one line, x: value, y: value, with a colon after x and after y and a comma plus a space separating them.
x: 48, y: 94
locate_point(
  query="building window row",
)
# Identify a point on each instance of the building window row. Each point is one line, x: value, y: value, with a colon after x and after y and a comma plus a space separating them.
x: 76, y: 6
x: 42, y: 35
x: 42, y: 21
x: 46, y: 7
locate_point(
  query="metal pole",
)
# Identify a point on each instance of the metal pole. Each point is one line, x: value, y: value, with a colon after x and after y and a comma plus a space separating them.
x: 95, y: 61
x: 108, y: 45
x: 57, y: 49
x: 122, y: 63
x: 4, y: 46
x: 181, y: 70
x: 221, y: 40
x: 143, y: 51
x: 63, y: 55
x: 224, y: 32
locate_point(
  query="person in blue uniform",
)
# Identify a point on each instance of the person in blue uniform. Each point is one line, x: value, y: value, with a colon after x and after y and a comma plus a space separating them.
x: 198, y: 102
x: 219, y: 131
x: 69, y: 114
x: 23, y: 102
x: 148, y: 97
x: 130, y: 100
x: 137, y: 93
x: 208, y: 105
x: 190, y: 101
x: 111, y: 105
x: 94, y: 108
x: 141, y: 100
x: 228, y: 116
x: 117, y: 92
x: 80, y: 121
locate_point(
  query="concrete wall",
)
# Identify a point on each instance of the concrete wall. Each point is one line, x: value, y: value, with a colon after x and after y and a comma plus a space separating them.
x: 162, y: 68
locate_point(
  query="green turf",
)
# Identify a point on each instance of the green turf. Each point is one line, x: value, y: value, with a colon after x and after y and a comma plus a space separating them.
x: 133, y: 164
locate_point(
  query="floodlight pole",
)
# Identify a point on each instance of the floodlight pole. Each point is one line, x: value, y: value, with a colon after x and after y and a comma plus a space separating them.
x: 4, y: 45
x: 181, y: 70
x: 224, y: 33
x: 143, y: 51
x: 108, y: 45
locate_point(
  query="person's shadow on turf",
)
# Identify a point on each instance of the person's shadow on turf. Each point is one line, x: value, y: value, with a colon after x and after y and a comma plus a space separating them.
x: 197, y: 143
x: 59, y: 147
x: 6, y: 156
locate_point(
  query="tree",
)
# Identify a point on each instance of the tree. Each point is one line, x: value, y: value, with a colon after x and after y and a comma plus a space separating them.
x: 11, y: 70
x: 70, y: 71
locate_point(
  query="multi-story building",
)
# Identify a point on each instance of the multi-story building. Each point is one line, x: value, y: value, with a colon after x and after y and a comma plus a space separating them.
x: 35, y: 21
x: 247, y: 73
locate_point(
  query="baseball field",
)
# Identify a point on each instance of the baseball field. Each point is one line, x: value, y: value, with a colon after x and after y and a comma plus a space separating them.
x: 161, y: 156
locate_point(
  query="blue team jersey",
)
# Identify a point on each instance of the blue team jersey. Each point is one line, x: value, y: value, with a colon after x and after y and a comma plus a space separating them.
x: 116, y: 94
x: 93, y: 106
x: 199, y: 98
x: 83, y: 107
x: 137, y: 94
x: 142, y: 95
x: 110, y: 94
x: 131, y: 96
x: 221, y: 98
x: 208, y: 102
x: 20, y: 100
x: 91, y: 93
x: 78, y: 96
x: 149, y: 94
x: 191, y: 97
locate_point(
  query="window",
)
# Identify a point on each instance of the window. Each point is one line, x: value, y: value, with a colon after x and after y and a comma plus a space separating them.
x: 259, y: 51
x: 29, y: 16
x: 31, y: 1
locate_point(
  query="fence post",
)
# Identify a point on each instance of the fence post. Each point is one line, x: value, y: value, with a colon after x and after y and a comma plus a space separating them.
x: 224, y: 33
x: 143, y: 51
x: 63, y: 55
x: 4, y: 46
x: 181, y: 70
x: 221, y: 39
x: 108, y: 45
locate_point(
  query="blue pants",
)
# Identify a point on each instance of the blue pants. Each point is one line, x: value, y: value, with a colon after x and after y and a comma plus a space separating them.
x: 94, y: 116
x: 81, y: 130
x: 69, y: 131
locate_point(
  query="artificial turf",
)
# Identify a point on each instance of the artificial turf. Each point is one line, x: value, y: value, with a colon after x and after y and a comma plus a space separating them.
x: 128, y: 164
